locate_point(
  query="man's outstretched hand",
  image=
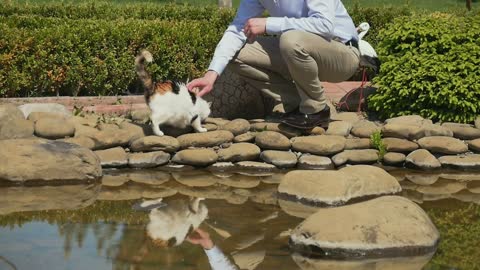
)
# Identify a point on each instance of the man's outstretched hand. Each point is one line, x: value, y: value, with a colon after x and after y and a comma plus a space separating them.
x: 200, y: 237
x: 255, y: 27
x: 204, y: 84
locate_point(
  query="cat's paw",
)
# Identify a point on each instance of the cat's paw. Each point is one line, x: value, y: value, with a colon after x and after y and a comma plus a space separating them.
x: 158, y: 132
x: 202, y: 129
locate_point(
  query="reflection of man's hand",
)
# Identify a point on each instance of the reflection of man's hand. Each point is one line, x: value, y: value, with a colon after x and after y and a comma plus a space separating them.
x: 200, y: 237
x: 255, y: 27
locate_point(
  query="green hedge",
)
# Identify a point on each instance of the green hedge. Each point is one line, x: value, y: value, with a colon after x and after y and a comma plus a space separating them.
x: 89, y: 49
x: 430, y: 67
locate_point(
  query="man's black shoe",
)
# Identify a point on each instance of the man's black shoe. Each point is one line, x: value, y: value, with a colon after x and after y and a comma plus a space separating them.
x: 277, y: 117
x: 308, y: 121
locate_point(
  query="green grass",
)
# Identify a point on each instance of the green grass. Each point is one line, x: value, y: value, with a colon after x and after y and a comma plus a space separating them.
x: 431, y: 5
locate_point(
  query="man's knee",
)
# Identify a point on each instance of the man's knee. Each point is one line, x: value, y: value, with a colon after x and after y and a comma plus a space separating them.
x: 291, y: 42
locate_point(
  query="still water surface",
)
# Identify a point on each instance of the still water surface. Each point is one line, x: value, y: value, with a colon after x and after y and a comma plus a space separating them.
x: 94, y: 227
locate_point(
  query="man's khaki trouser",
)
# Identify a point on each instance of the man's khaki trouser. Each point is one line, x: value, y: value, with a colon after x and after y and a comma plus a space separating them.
x: 290, y: 68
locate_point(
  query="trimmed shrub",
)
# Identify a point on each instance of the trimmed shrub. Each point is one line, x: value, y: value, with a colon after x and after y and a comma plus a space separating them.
x: 89, y: 49
x: 430, y: 67
x: 51, y: 56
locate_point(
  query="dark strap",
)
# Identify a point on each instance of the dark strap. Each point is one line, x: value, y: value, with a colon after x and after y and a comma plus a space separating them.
x: 352, y: 42
x: 194, y: 118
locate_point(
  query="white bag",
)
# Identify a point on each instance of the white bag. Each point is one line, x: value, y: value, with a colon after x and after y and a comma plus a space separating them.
x: 368, y: 56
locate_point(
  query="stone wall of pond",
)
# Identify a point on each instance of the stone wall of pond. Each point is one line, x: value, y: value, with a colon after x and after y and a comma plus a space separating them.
x: 41, y: 133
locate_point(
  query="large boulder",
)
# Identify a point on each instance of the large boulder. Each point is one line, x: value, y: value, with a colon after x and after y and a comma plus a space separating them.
x: 465, y: 162
x: 365, y: 129
x: 13, y: 124
x: 331, y: 188
x: 44, y: 107
x: 313, y: 162
x: 339, y: 128
x: 463, y: 131
x: 113, y: 157
x: 399, y: 145
x: 383, y: 227
x: 36, y: 160
x: 281, y: 159
x: 360, y: 156
x: 237, y: 126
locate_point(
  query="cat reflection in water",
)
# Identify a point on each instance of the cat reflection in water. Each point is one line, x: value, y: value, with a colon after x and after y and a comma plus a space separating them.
x: 171, y: 223
x: 176, y: 221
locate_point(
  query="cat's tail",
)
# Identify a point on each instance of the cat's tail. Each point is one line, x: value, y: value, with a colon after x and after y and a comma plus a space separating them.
x: 144, y: 56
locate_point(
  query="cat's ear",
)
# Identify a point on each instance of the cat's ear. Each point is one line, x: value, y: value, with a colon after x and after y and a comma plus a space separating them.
x: 209, y: 104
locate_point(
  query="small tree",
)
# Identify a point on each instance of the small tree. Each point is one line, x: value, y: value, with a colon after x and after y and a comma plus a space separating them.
x: 225, y: 3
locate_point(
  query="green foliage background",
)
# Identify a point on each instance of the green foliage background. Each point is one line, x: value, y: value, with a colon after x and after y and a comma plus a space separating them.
x: 89, y: 48
x: 431, y: 67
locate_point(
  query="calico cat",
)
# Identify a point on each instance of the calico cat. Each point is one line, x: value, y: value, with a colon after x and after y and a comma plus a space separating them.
x: 171, y: 223
x: 170, y: 102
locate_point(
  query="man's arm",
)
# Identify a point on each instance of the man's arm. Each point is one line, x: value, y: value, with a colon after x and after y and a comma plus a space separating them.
x: 320, y: 20
x: 232, y: 41
x: 234, y: 38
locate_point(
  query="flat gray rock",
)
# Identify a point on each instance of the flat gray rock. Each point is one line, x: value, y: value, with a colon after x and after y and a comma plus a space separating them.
x: 365, y: 129
x: 423, y: 160
x: 362, y: 156
x: 155, y: 143
x: 206, y: 139
x: 314, y: 162
x: 464, y: 162
x: 339, y: 128
x: 399, y: 145
x: 394, y: 159
x: 237, y: 126
x: 239, y: 152
x: 245, y: 137
x: 443, y: 145
x: 148, y: 160
x: 272, y: 140
x: 281, y: 159
x: 386, y: 226
x: 357, y: 143
x: 196, y: 157
x: 323, y: 145
x: 463, y: 131
x: 113, y: 157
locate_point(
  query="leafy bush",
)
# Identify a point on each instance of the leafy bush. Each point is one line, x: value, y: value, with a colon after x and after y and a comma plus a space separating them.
x: 430, y: 67
x: 52, y: 56
x: 89, y: 49
x: 378, y: 18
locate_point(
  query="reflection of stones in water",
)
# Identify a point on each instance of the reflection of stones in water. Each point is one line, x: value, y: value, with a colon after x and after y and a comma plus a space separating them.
x: 474, y: 187
x: 441, y: 187
x: 422, y: 179
x: 66, y: 197
x: 241, y: 181
x: 195, y: 178
x: 412, y: 195
x: 402, y: 263
x: 149, y: 177
x: 467, y: 196
x: 297, y: 209
x: 461, y: 176
x: 135, y: 191
x: 248, y: 260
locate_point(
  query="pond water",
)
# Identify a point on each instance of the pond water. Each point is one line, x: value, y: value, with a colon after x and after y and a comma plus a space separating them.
x: 94, y: 226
